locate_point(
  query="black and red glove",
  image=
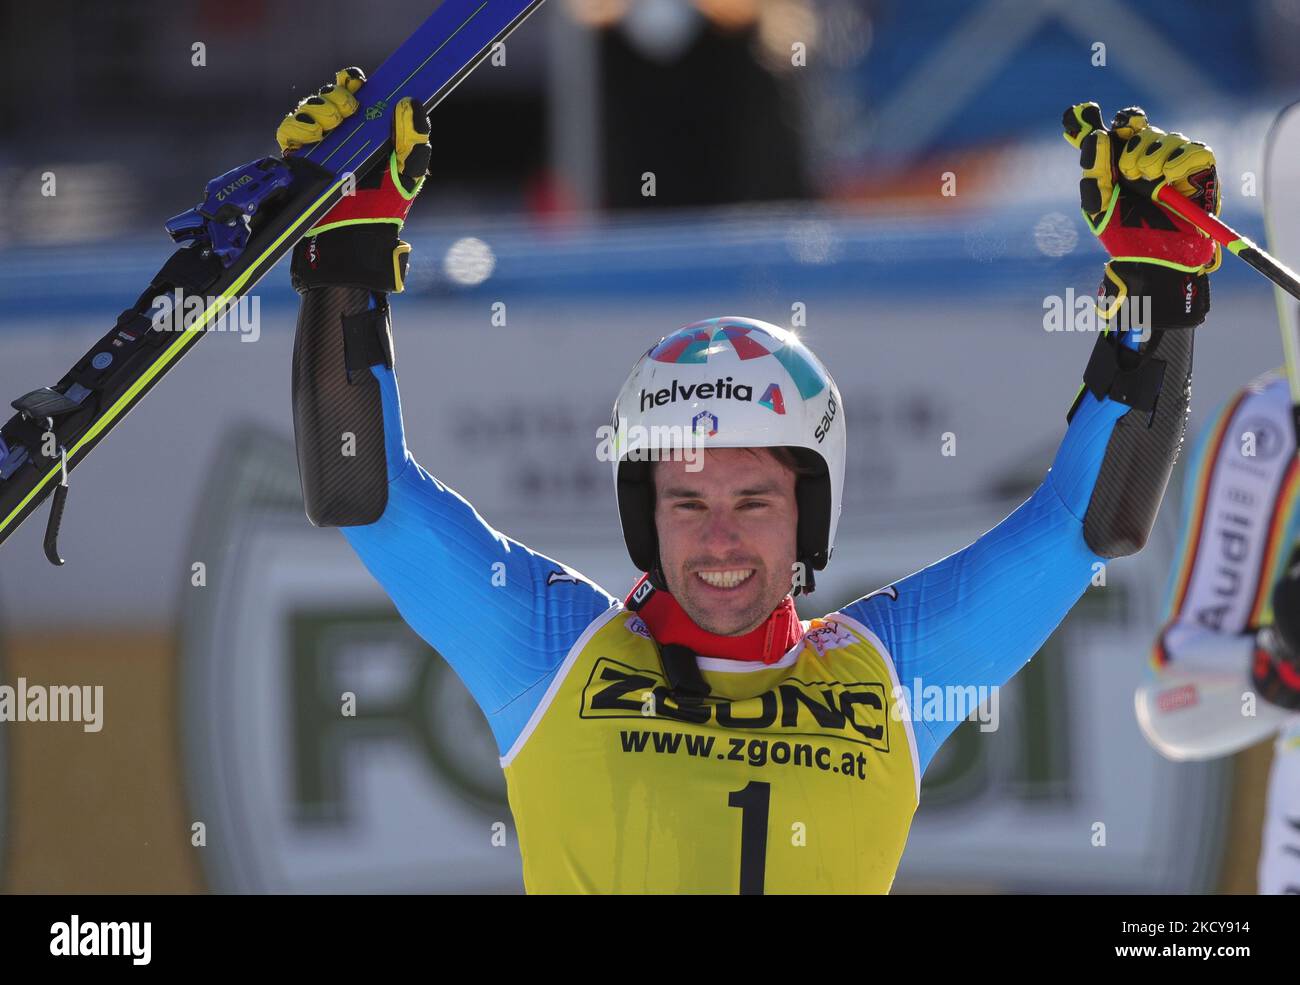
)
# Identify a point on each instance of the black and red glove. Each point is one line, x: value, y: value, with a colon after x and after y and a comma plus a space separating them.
x: 1276, y: 671
x: 356, y: 243
x: 1155, y: 253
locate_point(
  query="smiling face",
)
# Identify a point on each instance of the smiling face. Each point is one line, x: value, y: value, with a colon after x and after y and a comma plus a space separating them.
x: 727, y: 536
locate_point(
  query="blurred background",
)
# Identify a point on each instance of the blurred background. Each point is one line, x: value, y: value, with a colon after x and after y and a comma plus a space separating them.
x: 886, y: 177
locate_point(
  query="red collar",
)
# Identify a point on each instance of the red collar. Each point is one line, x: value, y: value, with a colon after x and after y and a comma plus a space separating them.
x: 669, y: 623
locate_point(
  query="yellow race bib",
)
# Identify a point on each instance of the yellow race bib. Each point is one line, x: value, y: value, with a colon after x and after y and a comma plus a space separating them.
x: 792, y: 777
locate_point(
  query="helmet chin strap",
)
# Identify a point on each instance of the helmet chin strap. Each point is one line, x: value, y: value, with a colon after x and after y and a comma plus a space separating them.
x: 656, y: 576
x: 809, y: 582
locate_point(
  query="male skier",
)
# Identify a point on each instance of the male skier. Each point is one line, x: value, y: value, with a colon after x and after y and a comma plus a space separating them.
x: 697, y: 737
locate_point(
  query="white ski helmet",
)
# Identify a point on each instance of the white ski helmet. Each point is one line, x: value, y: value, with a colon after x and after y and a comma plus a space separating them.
x: 730, y: 383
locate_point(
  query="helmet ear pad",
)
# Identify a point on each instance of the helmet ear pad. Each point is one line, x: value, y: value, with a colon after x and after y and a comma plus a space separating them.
x: 636, y: 506
x: 636, y: 509
x: 813, y: 494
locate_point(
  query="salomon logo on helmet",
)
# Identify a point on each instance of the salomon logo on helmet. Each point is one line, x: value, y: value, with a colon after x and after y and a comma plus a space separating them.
x: 827, y: 417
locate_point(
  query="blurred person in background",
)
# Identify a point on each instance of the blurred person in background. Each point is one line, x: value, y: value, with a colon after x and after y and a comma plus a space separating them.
x: 1234, y: 592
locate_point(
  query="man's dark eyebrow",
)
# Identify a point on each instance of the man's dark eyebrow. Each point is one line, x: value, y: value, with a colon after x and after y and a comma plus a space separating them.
x: 685, y: 492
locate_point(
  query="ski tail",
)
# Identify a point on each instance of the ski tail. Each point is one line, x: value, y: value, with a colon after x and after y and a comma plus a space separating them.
x: 56, y: 427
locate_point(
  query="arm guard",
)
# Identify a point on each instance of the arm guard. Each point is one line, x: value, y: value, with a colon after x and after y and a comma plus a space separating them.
x: 1155, y: 381
x: 338, y: 416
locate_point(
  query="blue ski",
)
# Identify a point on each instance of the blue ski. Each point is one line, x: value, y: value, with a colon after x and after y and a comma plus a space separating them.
x: 250, y: 217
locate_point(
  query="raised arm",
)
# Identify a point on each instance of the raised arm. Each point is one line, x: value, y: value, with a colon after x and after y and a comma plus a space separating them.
x: 503, y: 616
x: 976, y: 617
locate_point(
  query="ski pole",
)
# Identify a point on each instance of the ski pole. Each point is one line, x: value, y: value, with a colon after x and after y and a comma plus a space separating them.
x: 1232, y: 241
x: 1274, y: 269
